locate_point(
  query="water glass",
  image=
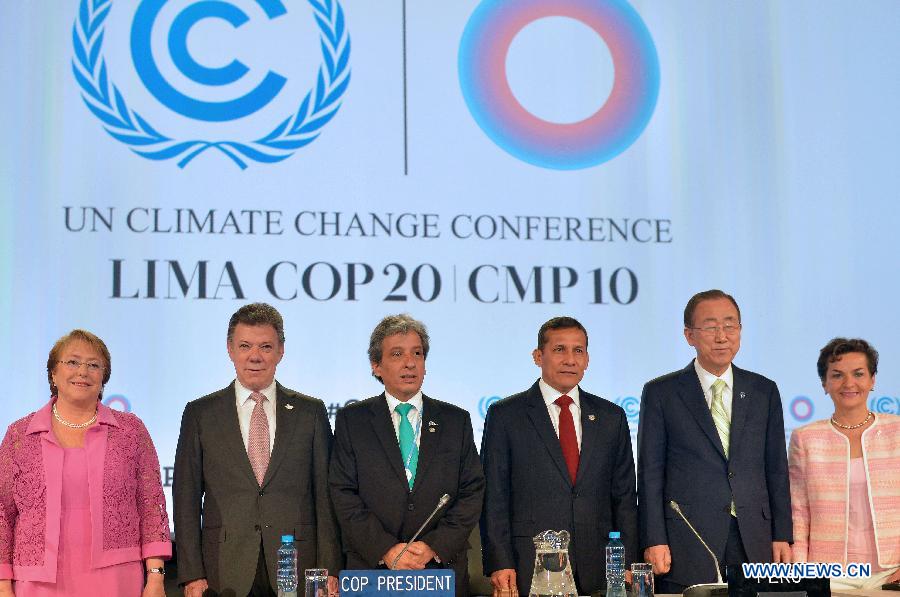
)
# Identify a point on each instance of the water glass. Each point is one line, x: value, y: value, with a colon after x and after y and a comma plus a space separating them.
x: 641, y: 580
x: 316, y: 582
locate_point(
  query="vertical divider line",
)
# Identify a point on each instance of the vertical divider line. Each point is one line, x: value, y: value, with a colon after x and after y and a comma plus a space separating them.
x: 405, y: 121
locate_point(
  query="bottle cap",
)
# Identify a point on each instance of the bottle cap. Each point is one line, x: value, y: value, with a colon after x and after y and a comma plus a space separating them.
x: 287, y: 538
x: 614, y: 534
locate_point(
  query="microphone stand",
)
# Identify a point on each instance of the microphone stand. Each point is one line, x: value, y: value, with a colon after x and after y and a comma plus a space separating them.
x: 441, y: 503
x: 703, y: 589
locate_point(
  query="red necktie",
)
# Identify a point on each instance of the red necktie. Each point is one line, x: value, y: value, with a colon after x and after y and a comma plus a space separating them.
x: 258, y: 438
x: 567, y: 438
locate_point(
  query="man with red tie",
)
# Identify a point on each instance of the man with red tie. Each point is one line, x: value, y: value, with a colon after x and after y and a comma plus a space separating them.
x: 556, y: 457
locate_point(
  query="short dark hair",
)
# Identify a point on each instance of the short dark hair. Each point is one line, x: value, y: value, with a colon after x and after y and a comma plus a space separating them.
x: 395, y: 324
x: 838, y: 347
x: 559, y: 323
x: 257, y: 314
x: 706, y: 295
x: 74, y: 336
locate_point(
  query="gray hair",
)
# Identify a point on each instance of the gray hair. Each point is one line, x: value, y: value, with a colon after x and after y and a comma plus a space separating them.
x: 391, y: 325
x: 257, y: 314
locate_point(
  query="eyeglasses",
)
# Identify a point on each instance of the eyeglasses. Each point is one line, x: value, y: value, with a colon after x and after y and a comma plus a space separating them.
x: 730, y: 329
x: 92, y: 366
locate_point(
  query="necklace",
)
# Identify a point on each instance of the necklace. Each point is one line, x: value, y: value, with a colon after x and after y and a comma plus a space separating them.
x: 857, y: 426
x: 87, y: 423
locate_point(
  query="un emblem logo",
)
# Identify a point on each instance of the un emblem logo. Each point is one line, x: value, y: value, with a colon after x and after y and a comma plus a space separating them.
x: 193, y: 85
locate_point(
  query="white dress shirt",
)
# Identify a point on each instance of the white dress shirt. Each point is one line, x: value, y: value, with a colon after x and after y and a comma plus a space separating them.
x: 413, y: 416
x: 707, y: 379
x: 550, y: 395
x: 245, y: 408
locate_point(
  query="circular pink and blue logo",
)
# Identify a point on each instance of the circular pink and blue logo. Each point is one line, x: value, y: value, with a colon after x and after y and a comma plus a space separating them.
x: 118, y: 402
x: 802, y: 408
x: 561, y: 146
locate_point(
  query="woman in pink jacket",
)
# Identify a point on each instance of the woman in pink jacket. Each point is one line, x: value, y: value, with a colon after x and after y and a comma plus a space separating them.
x: 845, y: 473
x: 82, y: 510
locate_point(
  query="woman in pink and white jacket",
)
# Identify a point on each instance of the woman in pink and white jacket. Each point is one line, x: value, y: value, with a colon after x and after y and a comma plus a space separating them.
x: 845, y: 473
x: 82, y: 511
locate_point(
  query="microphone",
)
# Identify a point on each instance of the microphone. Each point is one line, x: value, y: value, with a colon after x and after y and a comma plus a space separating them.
x: 441, y: 503
x: 704, y: 589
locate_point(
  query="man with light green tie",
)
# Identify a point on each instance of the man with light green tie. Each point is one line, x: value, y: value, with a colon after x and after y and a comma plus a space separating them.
x: 395, y: 456
x: 711, y: 439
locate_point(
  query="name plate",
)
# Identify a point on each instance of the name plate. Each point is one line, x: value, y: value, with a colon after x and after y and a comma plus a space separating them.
x: 389, y: 583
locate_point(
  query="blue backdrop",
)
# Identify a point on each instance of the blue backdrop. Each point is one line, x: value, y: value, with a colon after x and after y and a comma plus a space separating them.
x: 481, y: 165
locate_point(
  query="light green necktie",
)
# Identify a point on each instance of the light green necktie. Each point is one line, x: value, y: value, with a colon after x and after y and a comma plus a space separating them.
x: 721, y: 420
x: 720, y: 417
x: 408, y: 449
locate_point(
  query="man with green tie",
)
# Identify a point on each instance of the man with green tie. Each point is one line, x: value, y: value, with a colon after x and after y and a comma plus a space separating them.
x: 711, y: 439
x: 395, y: 456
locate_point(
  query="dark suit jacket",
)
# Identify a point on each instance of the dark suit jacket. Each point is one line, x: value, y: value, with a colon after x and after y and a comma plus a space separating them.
x: 371, y: 495
x: 529, y: 490
x: 680, y: 457
x: 221, y: 513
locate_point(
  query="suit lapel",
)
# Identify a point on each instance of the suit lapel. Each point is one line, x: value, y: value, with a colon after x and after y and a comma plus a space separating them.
x: 384, y: 430
x: 285, y: 425
x: 740, y: 404
x: 590, y: 431
x: 429, y: 439
x: 540, y: 418
x: 231, y: 430
x: 691, y: 395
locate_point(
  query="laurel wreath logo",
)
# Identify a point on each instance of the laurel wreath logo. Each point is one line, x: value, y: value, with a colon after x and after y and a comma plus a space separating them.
x: 106, y: 102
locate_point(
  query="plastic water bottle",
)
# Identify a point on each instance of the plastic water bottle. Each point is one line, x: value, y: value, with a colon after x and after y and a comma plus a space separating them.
x: 615, y: 566
x: 287, y: 566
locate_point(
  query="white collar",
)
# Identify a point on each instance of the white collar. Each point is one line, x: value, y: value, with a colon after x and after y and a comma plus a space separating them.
x: 242, y: 394
x: 550, y: 393
x: 707, y: 379
x: 416, y: 401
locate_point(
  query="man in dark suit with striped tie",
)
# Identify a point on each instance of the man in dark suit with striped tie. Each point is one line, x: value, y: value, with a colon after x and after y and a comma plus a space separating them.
x: 556, y: 457
x: 711, y: 439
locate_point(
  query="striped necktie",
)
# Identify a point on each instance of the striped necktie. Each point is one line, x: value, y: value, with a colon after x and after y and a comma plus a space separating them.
x: 721, y: 420
x: 720, y: 417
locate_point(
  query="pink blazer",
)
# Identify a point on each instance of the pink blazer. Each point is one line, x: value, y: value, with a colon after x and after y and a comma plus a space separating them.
x: 819, y: 464
x: 128, y: 508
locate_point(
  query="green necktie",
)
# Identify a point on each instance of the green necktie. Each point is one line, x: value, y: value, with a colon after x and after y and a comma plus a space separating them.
x: 721, y: 420
x: 720, y: 417
x: 408, y: 449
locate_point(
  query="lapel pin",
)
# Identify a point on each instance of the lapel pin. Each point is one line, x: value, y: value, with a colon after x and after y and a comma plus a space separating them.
x: 432, y: 424
x: 743, y: 395
x: 592, y: 417
x: 431, y: 430
x: 289, y: 406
